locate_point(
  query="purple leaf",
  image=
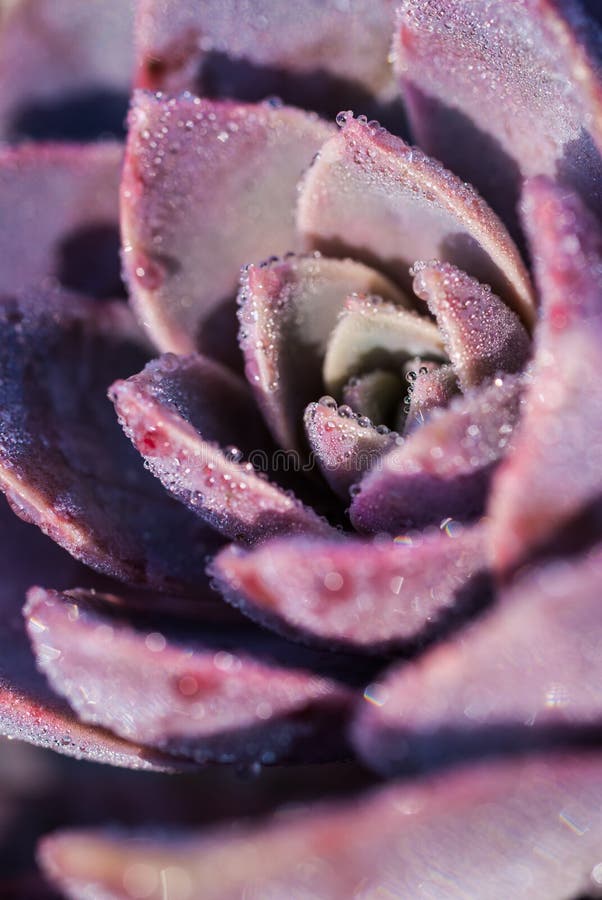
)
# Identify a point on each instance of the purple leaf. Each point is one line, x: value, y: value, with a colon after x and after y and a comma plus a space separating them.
x: 444, y: 468
x: 60, y: 203
x: 288, y: 310
x: 344, y: 445
x: 64, y: 463
x: 369, y: 597
x: 528, y: 62
x: 54, y: 60
x: 370, y: 196
x: 301, y: 52
x: 557, y: 458
x: 176, y: 412
x: 520, y: 829
x: 207, y: 187
x: 29, y: 710
x: 483, y: 337
x: 525, y: 675
x: 371, y: 333
x: 210, y: 701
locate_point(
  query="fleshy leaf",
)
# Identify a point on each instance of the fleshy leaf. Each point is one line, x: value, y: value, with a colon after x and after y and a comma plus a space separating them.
x: 60, y: 217
x: 519, y: 828
x: 370, y: 196
x: 209, y: 701
x: 345, y: 445
x: 369, y: 597
x: 29, y: 710
x: 370, y: 334
x: 288, y: 310
x: 183, y: 415
x: 483, y: 337
x: 304, y: 53
x: 374, y: 395
x: 443, y: 469
x: 64, y: 463
x: 207, y: 188
x: 524, y: 676
x: 65, y: 68
x: 430, y: 387
x: 557, y: 460
x: 530, y: 62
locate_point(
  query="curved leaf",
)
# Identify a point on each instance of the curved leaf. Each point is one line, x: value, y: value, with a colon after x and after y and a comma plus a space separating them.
x: 176, y: 412
x: 443, y: 469
x: 344, y: 445
x: 60, y: 218
x: 58, y: 79
x: 210, y: 699
x: 557, y: 459
x: 370, y: 196
x: 530, y: 62
x: 207, y: 188
x: 529, y: 828
x: 304, y: 53
x: 288, y: 309
x: 370, y: 334
x: 431, y: 387
x: 29, y: 710
x: 64, y: 463
x: 483, y: 337
x: 524, y: 676
x: 369, y: 597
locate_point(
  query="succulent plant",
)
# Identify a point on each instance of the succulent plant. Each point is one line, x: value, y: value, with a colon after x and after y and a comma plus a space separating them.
x: 311, y: 495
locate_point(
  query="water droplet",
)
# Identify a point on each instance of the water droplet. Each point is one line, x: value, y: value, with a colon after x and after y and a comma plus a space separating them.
x: 327, y: 401
x: 343, y: 117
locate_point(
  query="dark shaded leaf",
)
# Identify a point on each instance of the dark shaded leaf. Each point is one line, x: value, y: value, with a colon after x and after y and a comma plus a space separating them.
x: 64, y: 463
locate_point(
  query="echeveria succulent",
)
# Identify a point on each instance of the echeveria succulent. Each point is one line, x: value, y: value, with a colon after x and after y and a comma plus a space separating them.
x: 304, y: 422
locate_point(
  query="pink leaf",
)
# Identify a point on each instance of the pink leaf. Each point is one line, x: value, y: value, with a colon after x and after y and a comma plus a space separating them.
x: 29, y: 710
x: 207, y: 187
x: 64, y: 463
x: 370, y: 597
x: 520, y: 829
x: 557, y: 459
x: 65, y: 67
x: 483, y: 337
x: 430, y: 387
x: 344, y: 445
x: 303, y: 53
x: 530, y: 63
x: 525, y: 675
x: 60, y: 217
x: 370, y: 196
x: 210, y: 700
x: 444, y: 468
x: 175, y: 412
x: 288, y: 310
